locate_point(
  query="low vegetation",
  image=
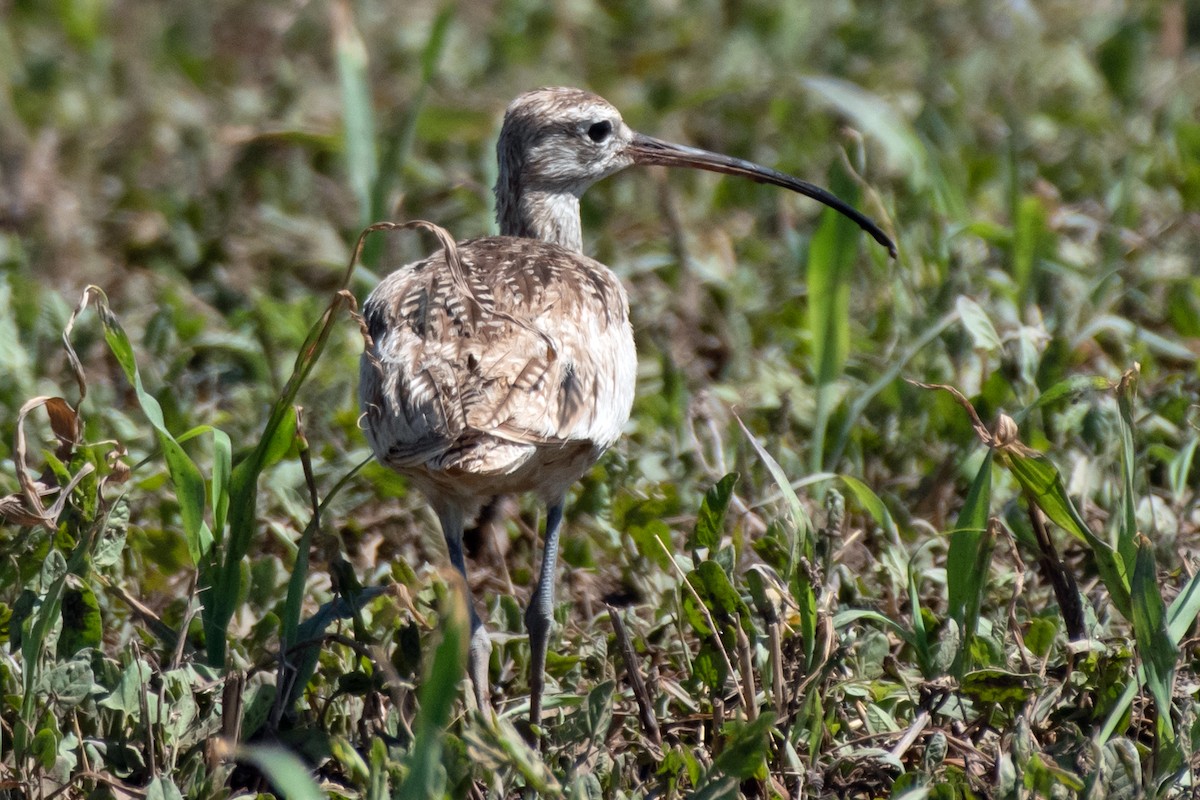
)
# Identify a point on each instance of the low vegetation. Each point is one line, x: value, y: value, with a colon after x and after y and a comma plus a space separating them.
x: 923, y: 528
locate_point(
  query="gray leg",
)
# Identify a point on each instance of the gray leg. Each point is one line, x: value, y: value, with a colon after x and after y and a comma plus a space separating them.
x: 479, y: 650
x: 540, y: 614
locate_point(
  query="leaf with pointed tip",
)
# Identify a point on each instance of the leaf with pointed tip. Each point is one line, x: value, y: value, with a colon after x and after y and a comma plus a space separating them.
x: 1155, y: 647
x: 1041, y: 481
x: 746, y: 746
x: 975, y: 320
x: 710, y: 522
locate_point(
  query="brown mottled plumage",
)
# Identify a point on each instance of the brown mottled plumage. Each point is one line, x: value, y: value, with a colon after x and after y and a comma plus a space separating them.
x: 506, y: 364
x: 507, y: 396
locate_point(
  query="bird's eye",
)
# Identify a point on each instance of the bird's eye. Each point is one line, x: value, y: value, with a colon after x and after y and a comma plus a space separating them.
x: 599, y: 131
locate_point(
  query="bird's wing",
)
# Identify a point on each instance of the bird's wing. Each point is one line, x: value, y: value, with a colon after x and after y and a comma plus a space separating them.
x: 535, y: 349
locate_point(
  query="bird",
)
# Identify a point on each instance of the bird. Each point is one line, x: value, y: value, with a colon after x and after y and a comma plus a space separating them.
x: 506, y: 364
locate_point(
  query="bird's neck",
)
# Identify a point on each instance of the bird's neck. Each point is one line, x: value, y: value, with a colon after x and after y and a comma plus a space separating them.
x: 549, y: 216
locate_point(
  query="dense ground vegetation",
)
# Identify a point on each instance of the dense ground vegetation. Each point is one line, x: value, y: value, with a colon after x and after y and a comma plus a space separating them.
x: 924, y: 527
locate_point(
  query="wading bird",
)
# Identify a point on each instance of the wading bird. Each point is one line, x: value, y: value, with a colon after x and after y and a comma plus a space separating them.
x: 506, y: 364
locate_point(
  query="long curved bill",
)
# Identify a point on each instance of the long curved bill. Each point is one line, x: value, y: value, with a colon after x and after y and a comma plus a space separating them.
x: 648, y: 150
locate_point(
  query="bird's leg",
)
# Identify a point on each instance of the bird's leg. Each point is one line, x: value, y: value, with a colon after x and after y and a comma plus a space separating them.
x: 479, y: 650
x: 540, y: 613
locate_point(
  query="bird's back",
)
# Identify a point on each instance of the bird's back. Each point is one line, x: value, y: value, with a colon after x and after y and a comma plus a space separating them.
x: 513, y: 372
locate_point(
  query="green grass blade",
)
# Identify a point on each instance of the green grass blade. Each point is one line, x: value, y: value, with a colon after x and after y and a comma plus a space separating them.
x: 222, y: 467
x: 1184, y: 610
x: 437, y: 697
x: 844, y: 619
x: 802, y: 546
x: 1127, y: 521
x: 1066, y: 389
x: 358, y: 116
x: 870, y: 501
x: 1029, y: 232
x: 862, y: 399
x: 920, y: 638
x: 185, y: 475
x: 54, y: 576
x: 1157, y: 650
x: 286, y: 772
x: 224, y: 588
x: 830, y: 260
x: 967, y: 560
x: 399, y: 142
x: 1180, y: 467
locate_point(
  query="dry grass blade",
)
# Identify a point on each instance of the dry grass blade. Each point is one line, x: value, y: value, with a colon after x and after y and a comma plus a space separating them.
x: 636, y: 681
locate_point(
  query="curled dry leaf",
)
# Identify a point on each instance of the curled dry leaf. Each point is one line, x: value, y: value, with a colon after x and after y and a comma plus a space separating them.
x: 27, y: 508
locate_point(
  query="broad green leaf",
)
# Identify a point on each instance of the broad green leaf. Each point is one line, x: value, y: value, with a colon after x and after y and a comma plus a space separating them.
x: 975, y: 320
x: 110, y: 543
x: 82, y: 626
x: 709, y: 667
x: 1044, y: 486
x: 710, y: 522
x: 162, y: 788
x: 712, y: 584
x: 599, y: 710
x: 69, y: 683
x: 653, y: 541
x: 999, y: 686
x: 44, y: 747
x: 125, y: 697
x: 1119, y: 771
x: 1040, y: 636
x: 1043, y: 777
x: 746, y: 746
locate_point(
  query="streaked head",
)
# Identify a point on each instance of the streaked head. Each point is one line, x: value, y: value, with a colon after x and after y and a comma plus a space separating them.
x: 562, y: 140
x: 559, y: 141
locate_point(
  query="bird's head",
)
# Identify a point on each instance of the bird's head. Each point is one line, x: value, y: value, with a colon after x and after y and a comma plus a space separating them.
x: 562, y: 140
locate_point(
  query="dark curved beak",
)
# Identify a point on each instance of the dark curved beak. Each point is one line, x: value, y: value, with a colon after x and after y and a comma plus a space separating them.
x: 648, y: 150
